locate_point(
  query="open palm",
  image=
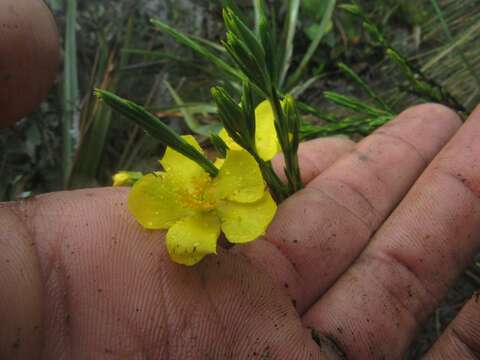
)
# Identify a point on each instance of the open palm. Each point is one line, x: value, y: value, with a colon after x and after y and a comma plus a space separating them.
x: 350, y: 268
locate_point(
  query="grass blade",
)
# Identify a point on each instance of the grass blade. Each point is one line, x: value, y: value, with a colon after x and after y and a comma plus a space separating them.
x: 258, y: 10
x: 447, y: 32
x: 188, y: 115
x: 70, y: 90
x: 286, y: 44
x: 297, y: 75
x: 97, y: 119
x: 304, y: 86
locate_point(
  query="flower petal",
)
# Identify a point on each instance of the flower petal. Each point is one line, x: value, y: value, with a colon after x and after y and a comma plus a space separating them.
x: 153, y: 202
x: 219, y: 163
x: 126, y: 178
x: 239, y: 179
x: 265, y: 134
x: 191, y: 239
x: 223, y: 134
x: 185, y: 171
x: 242, y: 223
x: 266, y: 139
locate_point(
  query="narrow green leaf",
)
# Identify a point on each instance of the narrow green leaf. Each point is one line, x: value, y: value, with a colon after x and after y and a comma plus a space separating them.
x: 249, y: 110
x: 198, y: 48
x: 354, y: 104
x: 348, y: 126
x: 232, y: 117
x: 212, y: 45
x: 193, y: 107
x: 353, y: 9
x: 243, y: 33
x: 219, y: 145
x: 309, y: 109
x: 155, y: 128
x: 232, y: 4
x: 251, y: 66
x: 364, y: 86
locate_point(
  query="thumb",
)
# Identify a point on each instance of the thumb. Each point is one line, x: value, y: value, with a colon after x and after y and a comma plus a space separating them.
x: 29, y: 55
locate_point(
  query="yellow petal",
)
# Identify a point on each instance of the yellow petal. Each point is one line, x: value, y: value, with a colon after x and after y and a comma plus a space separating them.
x: 184, y: 170
x: 191, y: 239
x: 242, y: 223
x: 126, y: 178
x: 219, y: 163
x: 239, y: 179
x: 223, y: 134
x: 153, y: 202
x: 265, y: 134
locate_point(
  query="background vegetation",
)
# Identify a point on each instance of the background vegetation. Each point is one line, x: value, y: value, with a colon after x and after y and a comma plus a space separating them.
x: 72, y: 142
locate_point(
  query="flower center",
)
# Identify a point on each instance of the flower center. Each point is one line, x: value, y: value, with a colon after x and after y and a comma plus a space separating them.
x: 194, y: 198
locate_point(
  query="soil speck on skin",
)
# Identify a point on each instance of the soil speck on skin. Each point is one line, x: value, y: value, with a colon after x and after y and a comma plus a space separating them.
x: 108, y: 351
x: 362, y: 157
x: 285, y: 285
x: 99, y: 290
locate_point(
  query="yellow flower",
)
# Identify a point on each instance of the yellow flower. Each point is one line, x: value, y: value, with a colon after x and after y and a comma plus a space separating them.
x: 195, y: 208
x: 265, y: 134
x: 126, y: 178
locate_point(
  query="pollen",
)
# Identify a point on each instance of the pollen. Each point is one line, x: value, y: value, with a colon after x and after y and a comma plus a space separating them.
x: 194, y: 198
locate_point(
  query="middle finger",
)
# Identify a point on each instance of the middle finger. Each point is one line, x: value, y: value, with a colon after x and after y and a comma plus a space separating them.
x: 323, y: 228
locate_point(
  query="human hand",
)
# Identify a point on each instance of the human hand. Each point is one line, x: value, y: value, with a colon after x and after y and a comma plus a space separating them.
x: 362, y: 256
